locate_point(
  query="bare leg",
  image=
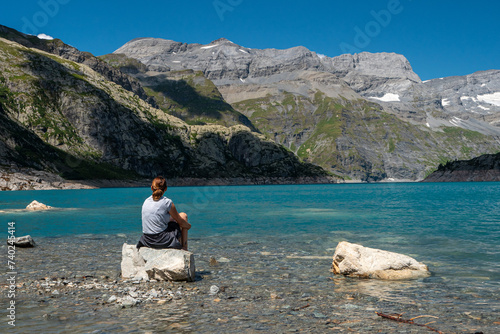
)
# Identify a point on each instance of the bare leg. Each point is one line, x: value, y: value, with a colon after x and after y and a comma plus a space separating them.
x: 184, y: 233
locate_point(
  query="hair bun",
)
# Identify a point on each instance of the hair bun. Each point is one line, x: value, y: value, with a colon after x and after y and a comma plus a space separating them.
x: 158, y: 186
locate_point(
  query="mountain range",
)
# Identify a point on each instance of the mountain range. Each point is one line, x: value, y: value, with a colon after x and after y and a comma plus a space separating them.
x: 69, y: 113
x: 221, y: 110
x: 363, y: 116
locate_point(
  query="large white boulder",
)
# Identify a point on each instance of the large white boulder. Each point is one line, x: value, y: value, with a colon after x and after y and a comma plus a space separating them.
x: 36, y: 206
x: 358, y: 261
x: 159, y: 264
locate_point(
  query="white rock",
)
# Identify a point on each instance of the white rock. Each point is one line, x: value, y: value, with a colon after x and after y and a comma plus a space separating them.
x: 132, y: 262
x: 25, y: 241
x: 157, y: 264
x: 128, y: 301
x: 112, y: 299
x: 358, y: 261
x: 37, y: 206
x: 214, y: 289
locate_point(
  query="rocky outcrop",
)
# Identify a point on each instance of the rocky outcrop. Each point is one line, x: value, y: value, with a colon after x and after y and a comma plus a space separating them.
x: 158, y: 264
x: 483, y: 168
x: 37, y: 206
x: 357, y: 261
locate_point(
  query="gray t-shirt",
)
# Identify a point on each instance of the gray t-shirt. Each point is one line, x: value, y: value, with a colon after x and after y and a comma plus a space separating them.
x: 155, y: 215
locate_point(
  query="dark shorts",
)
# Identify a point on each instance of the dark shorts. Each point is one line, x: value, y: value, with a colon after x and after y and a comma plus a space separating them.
x: 169, y: 238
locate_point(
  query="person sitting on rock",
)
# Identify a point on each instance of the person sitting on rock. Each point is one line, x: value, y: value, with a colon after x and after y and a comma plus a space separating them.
x: 162, y: 225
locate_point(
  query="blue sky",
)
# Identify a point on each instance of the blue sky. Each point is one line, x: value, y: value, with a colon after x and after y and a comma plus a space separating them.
x: 439, y: 38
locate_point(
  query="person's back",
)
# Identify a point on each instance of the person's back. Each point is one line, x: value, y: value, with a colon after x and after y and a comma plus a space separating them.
x: 162, y: 225
x: 155, y: 214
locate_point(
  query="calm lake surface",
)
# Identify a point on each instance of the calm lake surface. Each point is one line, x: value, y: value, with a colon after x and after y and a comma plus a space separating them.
x: 454, y: 228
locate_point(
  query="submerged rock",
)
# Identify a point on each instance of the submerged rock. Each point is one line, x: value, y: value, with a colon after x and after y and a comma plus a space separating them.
x: 158, y: 264
x: 358, y: 261
x: 128, y: 301
x: 214, y: 289
x: 37, y: 206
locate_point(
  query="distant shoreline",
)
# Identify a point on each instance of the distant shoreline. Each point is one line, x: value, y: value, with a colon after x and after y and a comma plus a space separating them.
x: 47, y: 181
x: 29, y: 179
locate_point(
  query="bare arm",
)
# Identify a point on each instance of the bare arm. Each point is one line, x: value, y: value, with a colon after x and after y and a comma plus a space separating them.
x: 181, y: 221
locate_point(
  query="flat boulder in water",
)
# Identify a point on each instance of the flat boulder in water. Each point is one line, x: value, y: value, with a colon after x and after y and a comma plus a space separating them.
x: 357, y: 261
x: 159, y: 264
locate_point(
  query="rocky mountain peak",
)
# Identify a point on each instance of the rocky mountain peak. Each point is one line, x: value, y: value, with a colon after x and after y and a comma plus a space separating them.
x: 221, y: 41
x: 224, y: 61
x: 381, y: 64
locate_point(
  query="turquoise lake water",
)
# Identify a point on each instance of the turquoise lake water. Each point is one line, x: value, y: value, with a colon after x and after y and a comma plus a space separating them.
x: 455, y: 226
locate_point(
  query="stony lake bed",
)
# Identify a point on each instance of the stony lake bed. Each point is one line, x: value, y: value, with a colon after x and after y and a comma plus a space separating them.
x: 73, y: 284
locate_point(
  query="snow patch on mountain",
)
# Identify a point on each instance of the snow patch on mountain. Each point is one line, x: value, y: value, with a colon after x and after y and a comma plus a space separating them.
x: 490, y: 98
x: 463, y: 98
x: 209, y: 46
x: 388, y: 97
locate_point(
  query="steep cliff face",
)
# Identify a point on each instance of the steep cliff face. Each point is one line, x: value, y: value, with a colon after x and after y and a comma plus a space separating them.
x: 482, y: 168
x: 223, y: 61
x: 66, y: 117
x: 364, y: 116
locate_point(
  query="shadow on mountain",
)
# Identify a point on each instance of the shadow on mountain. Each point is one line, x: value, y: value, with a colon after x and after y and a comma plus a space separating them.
x: 195, y: 107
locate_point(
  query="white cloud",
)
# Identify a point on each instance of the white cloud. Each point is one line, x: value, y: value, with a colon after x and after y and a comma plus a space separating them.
x: 445, y: 102
x: 490, y: 98
x: 388, y: 97
x: 47, y: 37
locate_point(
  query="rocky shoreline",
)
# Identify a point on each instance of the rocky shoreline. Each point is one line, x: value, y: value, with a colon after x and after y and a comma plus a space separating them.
x: 13, y: 178
x: 485, y: 168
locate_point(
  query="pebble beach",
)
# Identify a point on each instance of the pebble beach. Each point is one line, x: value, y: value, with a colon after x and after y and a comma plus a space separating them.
x: 73, y: 284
